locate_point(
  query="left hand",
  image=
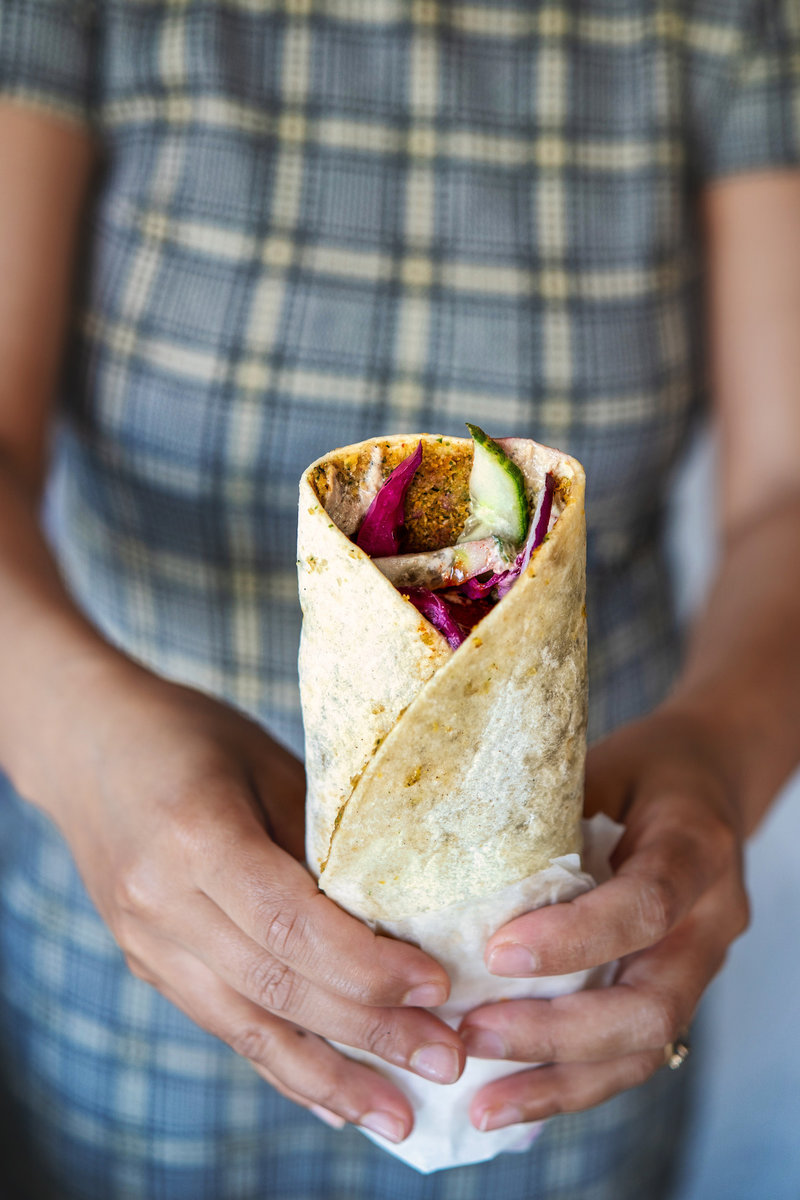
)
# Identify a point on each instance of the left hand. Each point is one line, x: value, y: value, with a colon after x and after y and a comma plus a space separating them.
x: 673, y: 907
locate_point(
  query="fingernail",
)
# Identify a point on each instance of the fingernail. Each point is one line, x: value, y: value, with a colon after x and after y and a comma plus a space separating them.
x: 513, y: 959
x: 385, y: 1125
x: 426, y: 995
x: 498, y: 1118
x: 436, y: 1061
x: 483, y: 1043
x: 330, y: 1118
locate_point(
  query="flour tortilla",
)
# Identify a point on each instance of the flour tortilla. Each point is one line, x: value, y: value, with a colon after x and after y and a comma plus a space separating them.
x: 437, y: 776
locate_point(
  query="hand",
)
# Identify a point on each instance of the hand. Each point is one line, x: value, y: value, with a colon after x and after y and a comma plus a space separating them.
x: 186, y: 822
x: 675, y: 904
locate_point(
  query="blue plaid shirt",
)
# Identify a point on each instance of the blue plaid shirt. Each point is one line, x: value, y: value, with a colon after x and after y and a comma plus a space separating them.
x: 322, y: 221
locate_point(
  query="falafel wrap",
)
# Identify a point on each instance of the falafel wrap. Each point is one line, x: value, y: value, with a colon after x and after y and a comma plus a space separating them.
x: 443, y: 683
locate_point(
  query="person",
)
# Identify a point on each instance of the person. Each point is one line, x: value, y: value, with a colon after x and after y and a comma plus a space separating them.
x: 232, y: 237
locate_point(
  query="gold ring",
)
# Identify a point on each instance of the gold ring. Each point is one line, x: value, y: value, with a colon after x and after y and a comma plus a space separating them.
x: 677, y: 1052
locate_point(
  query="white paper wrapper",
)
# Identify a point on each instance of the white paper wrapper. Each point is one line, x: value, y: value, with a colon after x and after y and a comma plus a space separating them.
x: 456, y: 937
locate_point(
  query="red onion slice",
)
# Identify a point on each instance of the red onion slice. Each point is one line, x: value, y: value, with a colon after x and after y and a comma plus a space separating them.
x: 378, y: 535
x: 436, y: 610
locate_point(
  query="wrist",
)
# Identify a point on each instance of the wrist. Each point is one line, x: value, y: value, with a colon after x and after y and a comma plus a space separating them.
x: 721, y: 740
x: 47, y: 716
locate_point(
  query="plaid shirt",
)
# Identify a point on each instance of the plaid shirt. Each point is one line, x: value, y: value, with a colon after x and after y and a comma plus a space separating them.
x: 318, y: 221
x: 322, y: 221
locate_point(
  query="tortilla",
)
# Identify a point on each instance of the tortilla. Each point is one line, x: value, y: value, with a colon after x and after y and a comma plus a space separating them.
x: 437, y: 776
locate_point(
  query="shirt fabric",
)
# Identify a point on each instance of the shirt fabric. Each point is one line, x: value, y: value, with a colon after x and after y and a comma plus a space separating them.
x: 317, y: 221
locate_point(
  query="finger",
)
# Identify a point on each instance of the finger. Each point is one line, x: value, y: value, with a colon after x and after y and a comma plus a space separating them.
x: 331, y: 1119
x: 276, y: 903
x: 655, y: 995
x: 545, y: 1091
x: 411, y: 1038
x: 299, y: 1063
x: 586, y: 1027
x: 612, y: 766
x: 693, y: 954
x: 672, y: 865
x: 638, y: 1013
x: 276, y: 772
x: 273, y: 1080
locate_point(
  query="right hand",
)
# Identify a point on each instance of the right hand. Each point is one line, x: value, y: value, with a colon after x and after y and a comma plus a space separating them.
x: 186, y: 823
x: 182, y: 815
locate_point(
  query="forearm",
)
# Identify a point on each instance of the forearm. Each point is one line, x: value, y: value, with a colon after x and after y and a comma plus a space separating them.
x: 50, y: 651
x: 44, y: 180
x: 741, y: 681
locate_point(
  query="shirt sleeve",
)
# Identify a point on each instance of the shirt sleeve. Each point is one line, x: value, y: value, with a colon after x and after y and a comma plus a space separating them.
x: 747, y: 104
x: 46, y: 55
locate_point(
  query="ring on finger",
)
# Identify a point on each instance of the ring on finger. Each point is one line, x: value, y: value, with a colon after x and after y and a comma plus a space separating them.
x: 677, y: 1052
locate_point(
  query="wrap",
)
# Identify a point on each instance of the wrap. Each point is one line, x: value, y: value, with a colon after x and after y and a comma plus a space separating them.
x: 445, y: 787
x: 437, y: 776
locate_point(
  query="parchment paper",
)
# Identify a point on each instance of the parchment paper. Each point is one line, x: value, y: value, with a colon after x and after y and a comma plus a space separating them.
x: 443, y: 1135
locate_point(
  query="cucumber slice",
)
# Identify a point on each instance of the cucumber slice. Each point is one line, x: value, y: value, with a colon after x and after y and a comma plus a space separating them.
x: 498, y: 505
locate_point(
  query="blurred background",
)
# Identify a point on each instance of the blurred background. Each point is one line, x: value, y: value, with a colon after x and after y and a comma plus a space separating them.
x: 745, y: 1142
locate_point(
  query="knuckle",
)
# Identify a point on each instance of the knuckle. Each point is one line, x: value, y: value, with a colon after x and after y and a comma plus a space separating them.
x: 272, y: 984
x: 190, y: 834
x: 135, y: 893
x: 664, y: 1018
x: 548, y: 1048
x: 742, y: 914
x: 371, y: 991
x: 285, y: 932
x: 379, y: 1038
x: 639, y: 1069
x: 658, y: 907
x: 567, y: 1101
x: 329, y: 1091
x: 367, y: 992
x: 727, y: 845
x: 573, y: 1095
x: 718, y: 840
x: 138, y: 968
x: 254, y: 1042
x: 195, y: 829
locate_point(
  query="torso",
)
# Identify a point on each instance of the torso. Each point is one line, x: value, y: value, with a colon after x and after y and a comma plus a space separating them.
x: 319, y: 223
